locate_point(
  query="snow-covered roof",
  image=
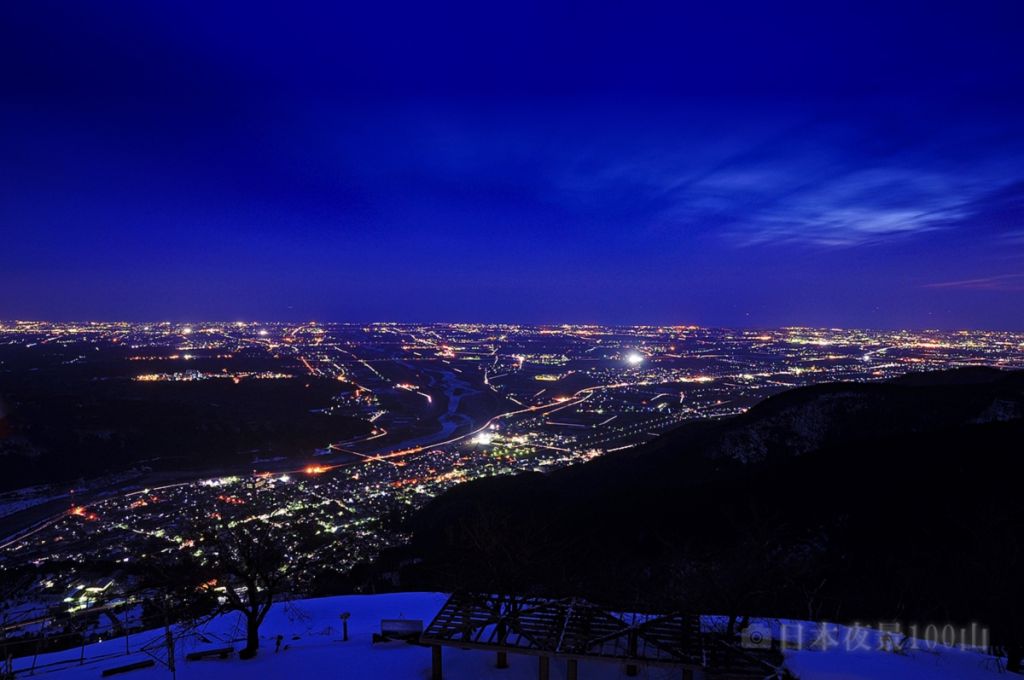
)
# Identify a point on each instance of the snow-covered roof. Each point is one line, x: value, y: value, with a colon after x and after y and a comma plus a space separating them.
x: 578, y: 629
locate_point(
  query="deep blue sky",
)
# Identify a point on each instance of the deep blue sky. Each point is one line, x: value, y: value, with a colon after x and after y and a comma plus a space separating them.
x: 755, y: 164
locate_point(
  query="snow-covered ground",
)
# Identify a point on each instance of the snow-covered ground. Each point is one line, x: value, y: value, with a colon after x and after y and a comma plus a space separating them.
x: 23, y: 499
x: 312, y: 648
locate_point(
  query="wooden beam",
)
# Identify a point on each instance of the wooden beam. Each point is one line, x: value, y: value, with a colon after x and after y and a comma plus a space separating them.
x: 544, y: 668
x: 435, y: 663
x: 502, y: 660
x: 572, y: 669
x: 631, y: 669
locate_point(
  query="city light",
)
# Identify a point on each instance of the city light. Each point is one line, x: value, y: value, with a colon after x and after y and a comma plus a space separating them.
x: 511, y: 399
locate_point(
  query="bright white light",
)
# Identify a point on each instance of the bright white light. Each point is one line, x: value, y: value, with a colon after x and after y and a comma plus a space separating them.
x: 484, y: 438
x: 284, y: 478
x: 634, y: 358
x: 263, y: 331
x: 186, y: 330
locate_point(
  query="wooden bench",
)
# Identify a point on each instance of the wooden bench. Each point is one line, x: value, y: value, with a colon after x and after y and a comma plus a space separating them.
x: 399, y: 629
x: 138, y: 665
x: 220, y: 652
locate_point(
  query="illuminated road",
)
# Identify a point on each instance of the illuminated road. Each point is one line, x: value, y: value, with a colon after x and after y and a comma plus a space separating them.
x: 557, y: 405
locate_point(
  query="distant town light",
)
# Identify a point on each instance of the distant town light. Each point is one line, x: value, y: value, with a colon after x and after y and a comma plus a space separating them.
x: 634, y: 358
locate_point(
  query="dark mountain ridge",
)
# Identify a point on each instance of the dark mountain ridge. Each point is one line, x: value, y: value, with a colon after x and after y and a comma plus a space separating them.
x: 877, y: 502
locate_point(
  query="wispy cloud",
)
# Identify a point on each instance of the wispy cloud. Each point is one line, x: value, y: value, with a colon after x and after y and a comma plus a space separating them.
x: 819, y: 184
x: 849, y: 206
x: 1002, y: 282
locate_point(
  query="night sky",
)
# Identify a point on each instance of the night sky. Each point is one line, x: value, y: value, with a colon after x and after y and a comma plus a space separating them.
x: 739, y: 164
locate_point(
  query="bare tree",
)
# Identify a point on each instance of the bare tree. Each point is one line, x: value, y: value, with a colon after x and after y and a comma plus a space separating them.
x: 250, y: 567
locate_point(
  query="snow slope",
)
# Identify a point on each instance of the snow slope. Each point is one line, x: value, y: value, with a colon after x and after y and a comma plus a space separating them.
x: 312, y: 649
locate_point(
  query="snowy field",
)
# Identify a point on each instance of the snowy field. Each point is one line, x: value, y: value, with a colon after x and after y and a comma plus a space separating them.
x: 312, y: 648
x: 24, y: 499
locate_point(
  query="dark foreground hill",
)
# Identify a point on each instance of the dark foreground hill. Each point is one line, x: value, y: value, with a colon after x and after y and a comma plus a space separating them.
x: 850, y: 502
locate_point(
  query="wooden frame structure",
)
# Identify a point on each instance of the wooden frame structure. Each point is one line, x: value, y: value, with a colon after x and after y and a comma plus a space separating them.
x: 576, y: 630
